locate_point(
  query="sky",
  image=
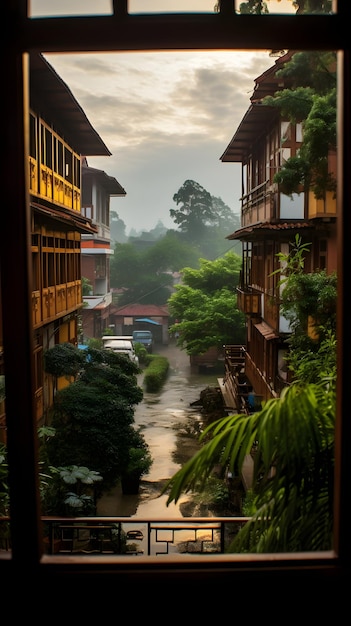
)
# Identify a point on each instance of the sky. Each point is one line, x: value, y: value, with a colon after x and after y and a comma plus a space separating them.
x: 166, y: 117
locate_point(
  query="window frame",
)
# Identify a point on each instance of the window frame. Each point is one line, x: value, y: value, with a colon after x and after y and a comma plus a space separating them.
x: 148, y: 33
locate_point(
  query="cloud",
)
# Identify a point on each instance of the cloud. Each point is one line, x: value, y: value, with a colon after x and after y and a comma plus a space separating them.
x: 166, y: 118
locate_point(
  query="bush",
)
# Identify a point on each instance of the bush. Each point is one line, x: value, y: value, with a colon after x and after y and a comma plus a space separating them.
x: 156, y: 373
x: 143, y: 355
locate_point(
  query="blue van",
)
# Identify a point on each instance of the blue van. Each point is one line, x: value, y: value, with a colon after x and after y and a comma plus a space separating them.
x: 145, y: 338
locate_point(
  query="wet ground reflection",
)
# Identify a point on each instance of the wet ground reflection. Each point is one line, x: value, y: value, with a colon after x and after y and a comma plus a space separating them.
x: 169, y: 424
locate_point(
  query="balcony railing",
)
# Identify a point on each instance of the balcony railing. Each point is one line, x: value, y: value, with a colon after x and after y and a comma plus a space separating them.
x: 131, y: 536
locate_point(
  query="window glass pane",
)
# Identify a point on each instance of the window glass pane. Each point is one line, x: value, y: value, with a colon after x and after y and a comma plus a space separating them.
x: 56, y: 8
x: 286, y: 7
x: 171, y: 6
x: 41, y: 8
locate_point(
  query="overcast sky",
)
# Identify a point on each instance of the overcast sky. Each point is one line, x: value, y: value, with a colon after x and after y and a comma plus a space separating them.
x: 166, y: 117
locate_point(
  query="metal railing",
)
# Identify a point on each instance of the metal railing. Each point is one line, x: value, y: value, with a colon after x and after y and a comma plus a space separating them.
x: 134, y: 536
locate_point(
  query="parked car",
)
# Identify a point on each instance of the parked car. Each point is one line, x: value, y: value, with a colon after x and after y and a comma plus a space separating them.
x: 145, y: 338
x: 124, y: 346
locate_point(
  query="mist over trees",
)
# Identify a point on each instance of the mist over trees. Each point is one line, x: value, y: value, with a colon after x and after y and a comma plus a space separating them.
x: 144, y: 266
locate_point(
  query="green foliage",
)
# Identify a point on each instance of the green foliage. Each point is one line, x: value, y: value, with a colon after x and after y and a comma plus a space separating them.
x: 310, y: 294
x: 87, y: 287
x: 311, y: 99
x: 138, y: 272
x: 215, y: 494
x: 94, y: 343
x: 139, y: 458
x: 306, y: 297
x: 206, y: 306
x: 77, y: 499
x: 63, y: 359
x: 293, y: 469
x: 156, y: 373
x: 198, y: 210
x: 311, y: 361
x: 170, y: 253
x: 143, y: 355
x: 93, y: 417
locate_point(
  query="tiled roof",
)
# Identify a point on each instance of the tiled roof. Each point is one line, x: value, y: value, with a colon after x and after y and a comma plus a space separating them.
x: 141, y: 310
x: 269, y: 228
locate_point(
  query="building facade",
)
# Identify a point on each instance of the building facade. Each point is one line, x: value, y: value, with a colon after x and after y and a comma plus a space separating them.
x: 59, y: 136
x: 97, y: 189
x: 270, y: 220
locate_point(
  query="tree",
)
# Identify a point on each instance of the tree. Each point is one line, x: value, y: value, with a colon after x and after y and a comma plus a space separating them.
x: 117, y: 228
x: 195, y: 210
x: 171, y: 253
x: 198, y: 210
x: 147, y: 275
x: 206, y: 305
x: 93, y: 417
x: 311, y: 99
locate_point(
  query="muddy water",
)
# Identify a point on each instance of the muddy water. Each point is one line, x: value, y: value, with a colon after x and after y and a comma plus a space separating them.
x: 170, y: 425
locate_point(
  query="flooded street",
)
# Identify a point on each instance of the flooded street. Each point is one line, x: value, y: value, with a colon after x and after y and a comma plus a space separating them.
x: 169, y: 424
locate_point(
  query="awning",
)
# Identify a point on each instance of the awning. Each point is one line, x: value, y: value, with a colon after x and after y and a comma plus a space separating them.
x: 148, y: 321
x: 267, y: 332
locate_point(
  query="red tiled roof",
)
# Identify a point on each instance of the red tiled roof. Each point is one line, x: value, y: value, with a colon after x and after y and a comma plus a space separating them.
x: 269, y: 228
x: 141, y: 310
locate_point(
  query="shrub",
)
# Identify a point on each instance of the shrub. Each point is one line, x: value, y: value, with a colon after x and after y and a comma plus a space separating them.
x: 156, y: 374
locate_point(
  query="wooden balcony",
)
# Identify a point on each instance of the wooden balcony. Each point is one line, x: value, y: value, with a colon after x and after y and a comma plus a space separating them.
x: 55, y: 301
x: 249, y: 301
x: 237, y: 389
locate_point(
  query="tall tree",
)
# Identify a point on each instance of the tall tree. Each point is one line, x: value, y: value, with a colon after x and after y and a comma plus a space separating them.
x: 198, y: 210
x: 195, y: 209
x: 117, y: 228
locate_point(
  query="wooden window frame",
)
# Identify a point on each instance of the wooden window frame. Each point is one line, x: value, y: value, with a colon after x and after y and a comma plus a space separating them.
x: 121, y: 32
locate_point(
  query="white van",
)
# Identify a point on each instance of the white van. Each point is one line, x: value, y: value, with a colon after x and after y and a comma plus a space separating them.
x: 124, y: 345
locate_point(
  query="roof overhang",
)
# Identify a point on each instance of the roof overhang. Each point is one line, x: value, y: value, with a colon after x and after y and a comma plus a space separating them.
x: 50, y: 96
x: 267, y: 332
x: 71, y: 219
x: 253, y: 124
x: 109, y: 183
x: 264, y: 229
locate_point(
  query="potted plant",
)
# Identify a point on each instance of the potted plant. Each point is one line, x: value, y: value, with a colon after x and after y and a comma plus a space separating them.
x: 138, y: 464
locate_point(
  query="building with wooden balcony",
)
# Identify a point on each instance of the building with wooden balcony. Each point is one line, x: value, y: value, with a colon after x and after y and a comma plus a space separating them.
x: 97, y: 190
x: 270, y: 219
x: 60, y: 136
